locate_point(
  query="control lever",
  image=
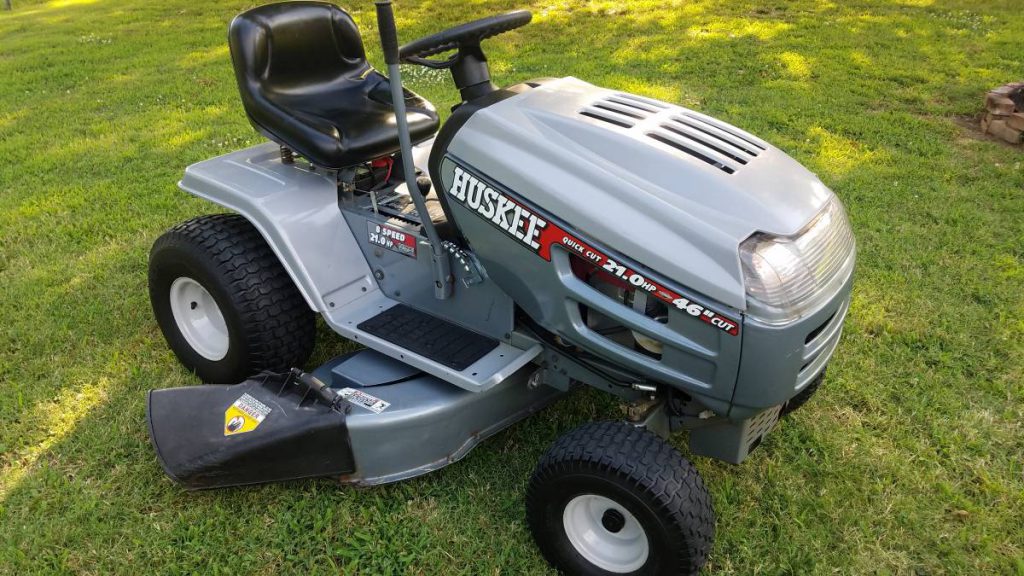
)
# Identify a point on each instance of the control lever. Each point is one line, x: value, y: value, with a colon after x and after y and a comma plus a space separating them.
x: 389, y: 43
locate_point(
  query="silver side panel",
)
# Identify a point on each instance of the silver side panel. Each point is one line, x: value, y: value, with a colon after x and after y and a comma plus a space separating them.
x: 296, y: 211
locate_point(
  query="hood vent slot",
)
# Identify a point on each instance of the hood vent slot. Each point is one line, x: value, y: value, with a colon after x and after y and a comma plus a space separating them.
x: 637, y: 105
x: 719, y: 144
x: 623, y: 110
x: 611, y: 106
x: 722, y: 131
x: 605, y: 116
x: 679, y: 144
x: 640, y: 101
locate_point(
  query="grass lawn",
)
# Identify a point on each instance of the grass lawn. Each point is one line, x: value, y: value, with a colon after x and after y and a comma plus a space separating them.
x: 909, y: 460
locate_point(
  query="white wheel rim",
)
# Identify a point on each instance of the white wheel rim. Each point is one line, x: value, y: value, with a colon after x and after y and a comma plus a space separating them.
x: 605, y: 533
x: 199, y: 318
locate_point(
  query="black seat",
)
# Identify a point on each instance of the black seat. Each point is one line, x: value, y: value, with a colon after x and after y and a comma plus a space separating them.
x: 306, y: 84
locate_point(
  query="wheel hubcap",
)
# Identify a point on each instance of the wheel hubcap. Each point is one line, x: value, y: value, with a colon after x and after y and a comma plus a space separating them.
x: 605, y: 533
x: 613, y: 520
x: 199, y: 318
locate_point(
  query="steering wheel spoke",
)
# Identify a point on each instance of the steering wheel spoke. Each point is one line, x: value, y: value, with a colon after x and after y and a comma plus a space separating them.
x: 435, y: 64
x: 468, y: 34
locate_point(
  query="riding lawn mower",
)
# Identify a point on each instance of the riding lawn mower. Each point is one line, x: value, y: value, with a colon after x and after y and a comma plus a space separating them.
x: 551, y: 235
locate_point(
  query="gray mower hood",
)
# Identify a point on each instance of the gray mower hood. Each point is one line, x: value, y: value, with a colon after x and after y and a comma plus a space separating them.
x: 672, y: 189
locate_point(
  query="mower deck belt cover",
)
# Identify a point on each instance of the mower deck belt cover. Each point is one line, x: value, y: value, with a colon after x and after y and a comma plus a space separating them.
x: 261, y: 430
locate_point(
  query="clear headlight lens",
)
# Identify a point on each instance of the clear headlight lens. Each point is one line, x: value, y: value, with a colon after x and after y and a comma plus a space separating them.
x: 788, y: 276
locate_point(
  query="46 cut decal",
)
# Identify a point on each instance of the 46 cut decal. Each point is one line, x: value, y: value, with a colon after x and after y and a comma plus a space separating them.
x: 537, y: 233
x: 639, y: 282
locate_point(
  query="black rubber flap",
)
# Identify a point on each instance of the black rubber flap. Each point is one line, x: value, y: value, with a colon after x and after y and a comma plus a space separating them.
x: 262, y: 430
x: 430, y: 336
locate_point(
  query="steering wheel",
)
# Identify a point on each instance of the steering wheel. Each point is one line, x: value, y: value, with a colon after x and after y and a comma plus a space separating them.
x: 468, y: 35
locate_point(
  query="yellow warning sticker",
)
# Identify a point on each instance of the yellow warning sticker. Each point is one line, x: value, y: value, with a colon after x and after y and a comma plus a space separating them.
x: 244, y: 415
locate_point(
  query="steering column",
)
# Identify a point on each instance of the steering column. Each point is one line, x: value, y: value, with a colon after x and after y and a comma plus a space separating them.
x: 470, y: 73
x: 469, y: 64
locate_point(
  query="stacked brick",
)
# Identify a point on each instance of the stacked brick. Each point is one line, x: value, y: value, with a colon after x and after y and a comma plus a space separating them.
x: 1004, y: 113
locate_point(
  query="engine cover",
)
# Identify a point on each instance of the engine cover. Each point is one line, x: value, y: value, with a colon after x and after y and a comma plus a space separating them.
x: 601, y: 212
x: 668, y: 187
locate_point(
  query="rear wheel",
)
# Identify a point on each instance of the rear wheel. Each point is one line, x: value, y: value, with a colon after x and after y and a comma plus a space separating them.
x: 611, y: 498
x: 226, y: 306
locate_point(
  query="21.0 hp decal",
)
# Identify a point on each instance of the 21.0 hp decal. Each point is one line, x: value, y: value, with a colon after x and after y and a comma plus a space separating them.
x: 539, y: 234
x: 391, y: 238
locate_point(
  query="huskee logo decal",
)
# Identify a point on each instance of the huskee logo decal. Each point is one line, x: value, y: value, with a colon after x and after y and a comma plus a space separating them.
x: 541, y: 236
x: 505, y: 213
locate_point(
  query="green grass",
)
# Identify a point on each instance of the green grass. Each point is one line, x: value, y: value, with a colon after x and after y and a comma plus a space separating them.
x: 909, y: 461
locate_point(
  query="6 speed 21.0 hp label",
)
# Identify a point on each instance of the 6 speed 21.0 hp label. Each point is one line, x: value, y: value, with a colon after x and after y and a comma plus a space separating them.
x: 536, y: 231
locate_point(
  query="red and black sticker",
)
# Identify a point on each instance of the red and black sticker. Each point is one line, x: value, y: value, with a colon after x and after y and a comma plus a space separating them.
x: 539, y: 234
x: 392, y: 239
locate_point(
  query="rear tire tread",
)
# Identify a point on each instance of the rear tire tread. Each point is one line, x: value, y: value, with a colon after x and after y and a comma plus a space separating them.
x: 278, y: 326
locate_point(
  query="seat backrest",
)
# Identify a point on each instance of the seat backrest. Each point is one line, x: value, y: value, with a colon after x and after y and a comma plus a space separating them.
x: 293, y: 44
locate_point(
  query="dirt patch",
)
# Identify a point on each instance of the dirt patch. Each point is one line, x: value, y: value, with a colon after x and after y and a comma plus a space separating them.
x: 970, y: 129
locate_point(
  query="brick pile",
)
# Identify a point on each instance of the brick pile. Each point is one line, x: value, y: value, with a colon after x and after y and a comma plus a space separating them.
x: 1004, y: 113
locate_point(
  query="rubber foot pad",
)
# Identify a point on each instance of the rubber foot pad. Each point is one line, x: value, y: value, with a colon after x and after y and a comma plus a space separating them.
x: 430, y: 336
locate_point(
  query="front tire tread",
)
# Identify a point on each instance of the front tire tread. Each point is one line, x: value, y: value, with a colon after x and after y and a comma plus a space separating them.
x: 647, y: 464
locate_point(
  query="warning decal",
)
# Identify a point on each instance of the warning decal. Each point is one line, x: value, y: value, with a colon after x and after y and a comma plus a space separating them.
x: 244, y: 415
x: 392, y: 239
x: 540, y: 235
x: 360, y: 398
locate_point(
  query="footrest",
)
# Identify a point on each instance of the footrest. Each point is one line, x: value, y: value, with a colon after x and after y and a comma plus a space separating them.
x: 474, y: 362
x: 429, y: 336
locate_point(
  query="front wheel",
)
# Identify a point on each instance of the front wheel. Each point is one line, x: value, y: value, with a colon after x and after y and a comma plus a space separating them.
x: 226, y: 306
x: 611, y: 498
x: 803, y: 396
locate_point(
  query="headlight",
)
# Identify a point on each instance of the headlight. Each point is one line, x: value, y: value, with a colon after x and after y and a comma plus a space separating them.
x: 788, y: 276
